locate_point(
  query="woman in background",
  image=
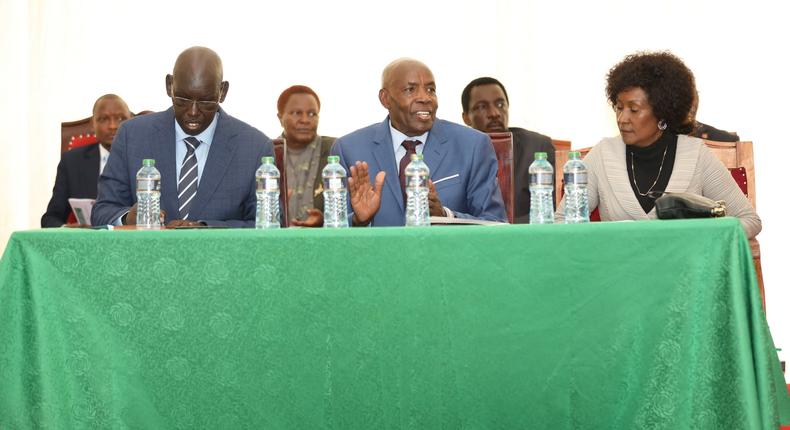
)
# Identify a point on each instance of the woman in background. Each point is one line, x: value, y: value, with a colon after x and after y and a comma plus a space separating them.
x: 652, y: 94
x: 297, y: 109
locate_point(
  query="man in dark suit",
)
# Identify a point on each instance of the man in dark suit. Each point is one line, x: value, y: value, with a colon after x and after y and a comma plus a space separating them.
x: 485, y: 107
x: 79, y: 168
x: 705, y: 131
x: 220, y: 154
x: 461, y: 160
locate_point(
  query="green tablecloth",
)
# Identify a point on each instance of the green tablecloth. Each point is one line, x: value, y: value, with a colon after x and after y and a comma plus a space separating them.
x: 607, y: 325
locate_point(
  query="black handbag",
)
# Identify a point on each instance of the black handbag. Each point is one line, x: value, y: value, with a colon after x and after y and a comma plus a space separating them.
x: 688, y: 205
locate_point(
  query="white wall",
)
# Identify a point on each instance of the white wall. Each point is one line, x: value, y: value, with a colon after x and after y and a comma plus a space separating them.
x: 57, y: 56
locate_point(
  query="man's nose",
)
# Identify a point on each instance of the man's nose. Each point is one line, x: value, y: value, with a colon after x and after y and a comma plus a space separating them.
x: 493, y: 112
x: 193, y: 109
x: 423, y: 95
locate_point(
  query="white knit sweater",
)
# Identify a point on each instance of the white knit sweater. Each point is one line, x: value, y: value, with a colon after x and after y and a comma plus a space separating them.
x: 696, y: 170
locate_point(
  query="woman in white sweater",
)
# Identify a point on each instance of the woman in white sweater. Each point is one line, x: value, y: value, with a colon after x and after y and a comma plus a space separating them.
x: 652, y: 95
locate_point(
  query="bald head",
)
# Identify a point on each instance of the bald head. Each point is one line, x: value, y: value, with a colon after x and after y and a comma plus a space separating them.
x: 196, y: 78
x: 198, y: 61
x: 397, y: 67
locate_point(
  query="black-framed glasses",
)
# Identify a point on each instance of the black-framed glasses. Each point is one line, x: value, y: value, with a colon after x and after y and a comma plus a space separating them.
x: 204, y: 105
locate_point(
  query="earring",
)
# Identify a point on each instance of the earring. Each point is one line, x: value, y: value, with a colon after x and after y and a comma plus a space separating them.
x: 662, y: 125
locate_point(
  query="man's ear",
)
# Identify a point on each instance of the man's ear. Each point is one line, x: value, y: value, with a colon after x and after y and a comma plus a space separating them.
x: 169, y: 85
x: 467, y: 121
x: 223, y: 90
x: 384, y: 98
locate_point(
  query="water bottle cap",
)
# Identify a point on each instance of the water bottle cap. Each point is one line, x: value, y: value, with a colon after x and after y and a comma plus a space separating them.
x: 149, y: 162
x: 333, y: 159
x: 540, y: 155
x: 267, y: 160
x: 416, y: 157
x: 574, y: 155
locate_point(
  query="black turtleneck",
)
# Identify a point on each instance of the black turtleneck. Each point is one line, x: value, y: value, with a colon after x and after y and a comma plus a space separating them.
x: 646, y: 165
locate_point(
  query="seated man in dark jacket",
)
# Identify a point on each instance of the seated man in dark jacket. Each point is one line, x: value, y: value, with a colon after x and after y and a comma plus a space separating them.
x: 485, y: 107
x: 79, y: 168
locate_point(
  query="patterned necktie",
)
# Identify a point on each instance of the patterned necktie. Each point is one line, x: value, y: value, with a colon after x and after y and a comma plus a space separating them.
x: 411, y: 148
x: 187, y: 180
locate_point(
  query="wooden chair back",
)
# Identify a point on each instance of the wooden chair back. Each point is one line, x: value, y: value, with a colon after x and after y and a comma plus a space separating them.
x: 503, y: 147
x: 738, y: 157
x: 561, y: 145
x: 74, y: 134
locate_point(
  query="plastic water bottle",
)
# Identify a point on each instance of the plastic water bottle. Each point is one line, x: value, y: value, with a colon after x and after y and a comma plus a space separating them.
x: 335, y: 209
x: 577, y: 209
x: 148, y: 192
x: 417, y: 174
x: 541, y: 190
x: 267, y: 191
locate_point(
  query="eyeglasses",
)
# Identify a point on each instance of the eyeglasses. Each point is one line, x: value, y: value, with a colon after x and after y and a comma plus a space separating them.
x: 204, y: 105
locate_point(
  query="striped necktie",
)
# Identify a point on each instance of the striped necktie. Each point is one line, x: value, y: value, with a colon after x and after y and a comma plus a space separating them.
x: 188, y: 179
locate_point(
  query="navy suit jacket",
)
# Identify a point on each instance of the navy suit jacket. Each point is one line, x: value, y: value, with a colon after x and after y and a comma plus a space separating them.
x: 78, y: 174
x: 226, y: 192
x: 461, y: 160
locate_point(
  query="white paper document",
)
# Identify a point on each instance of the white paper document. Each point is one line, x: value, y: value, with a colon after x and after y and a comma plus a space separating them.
x: 82, y: 210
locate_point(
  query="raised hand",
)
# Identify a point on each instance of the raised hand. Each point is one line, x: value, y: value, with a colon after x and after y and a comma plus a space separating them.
x: 365, y: 197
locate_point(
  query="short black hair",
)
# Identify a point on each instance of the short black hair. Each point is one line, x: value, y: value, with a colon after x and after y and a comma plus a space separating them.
x: 668, y: 83
x: 467, y: 93
x: 109, y: 97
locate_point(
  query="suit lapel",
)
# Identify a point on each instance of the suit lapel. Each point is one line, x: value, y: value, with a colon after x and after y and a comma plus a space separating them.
x: 92, y: 158
x: 219, y: 157
x: 163, y: 137
x: 385, y: 157
x: 435, y: 149
x: 89, y: 170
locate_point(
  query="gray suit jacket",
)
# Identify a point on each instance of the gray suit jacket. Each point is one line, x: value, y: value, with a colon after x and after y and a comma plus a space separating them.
x: 461, y: 160
x: 226, y: 194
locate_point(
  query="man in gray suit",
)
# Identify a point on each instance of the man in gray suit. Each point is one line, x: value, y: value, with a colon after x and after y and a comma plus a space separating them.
x: 206, y: 157
x: 485, y: 107
x: 461, y: 160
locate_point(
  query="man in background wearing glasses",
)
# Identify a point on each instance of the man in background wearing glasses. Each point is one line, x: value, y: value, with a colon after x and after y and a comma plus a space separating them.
x: 206, y: 157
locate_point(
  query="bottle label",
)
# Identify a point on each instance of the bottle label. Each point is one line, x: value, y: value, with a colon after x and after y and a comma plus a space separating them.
x: 335, y: 183
x: 416, y: 181
x: 147, y: 185
x: 271, y: 185
x: 579, y: 178
x: 541, y: 178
